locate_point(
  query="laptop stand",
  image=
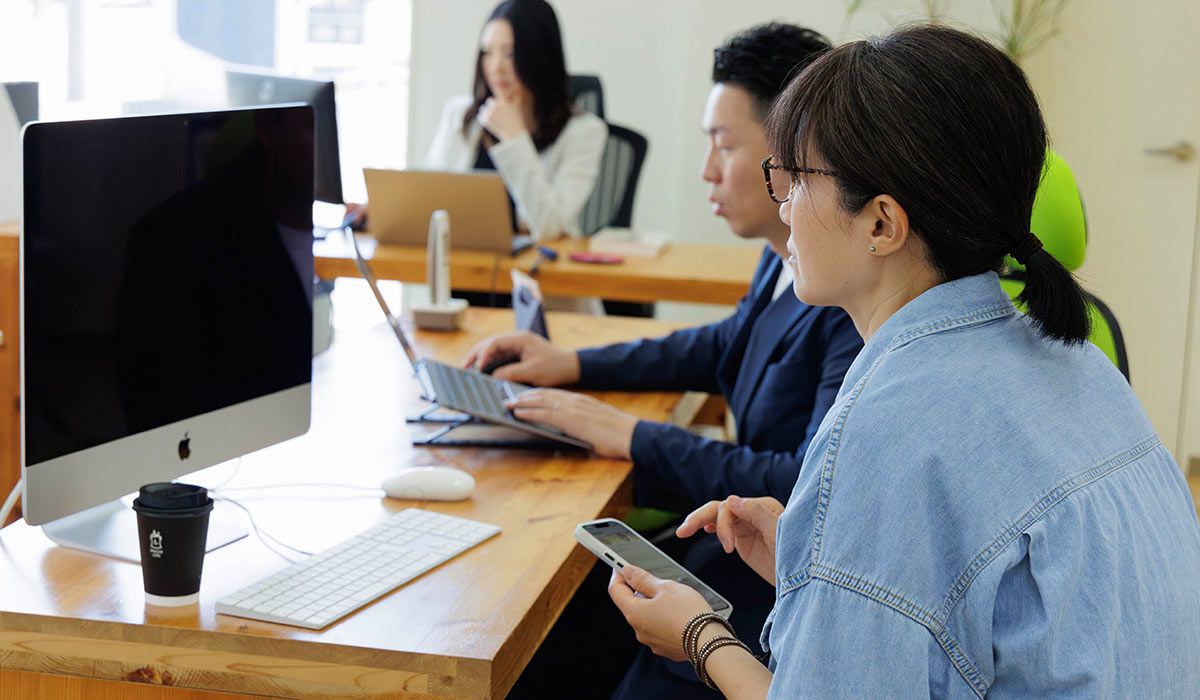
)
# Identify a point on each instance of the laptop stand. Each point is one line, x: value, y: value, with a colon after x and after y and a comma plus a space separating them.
x: 487, y: 434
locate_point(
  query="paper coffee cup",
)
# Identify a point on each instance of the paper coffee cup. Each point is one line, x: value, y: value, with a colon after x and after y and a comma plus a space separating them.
x: 172, y: 532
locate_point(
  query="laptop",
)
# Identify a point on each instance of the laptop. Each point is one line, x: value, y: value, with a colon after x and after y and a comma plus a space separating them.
x: 468, y: 391
x: 402, y: 201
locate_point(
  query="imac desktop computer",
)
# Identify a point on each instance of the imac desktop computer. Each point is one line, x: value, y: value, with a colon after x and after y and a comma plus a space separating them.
x: 18, y: 105
x: 245, y: 89
x: 166, y: 319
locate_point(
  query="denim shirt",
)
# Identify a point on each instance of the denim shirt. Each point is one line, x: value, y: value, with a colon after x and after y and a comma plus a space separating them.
x: 985, y: 512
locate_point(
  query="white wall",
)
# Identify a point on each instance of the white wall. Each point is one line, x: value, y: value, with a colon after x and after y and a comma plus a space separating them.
x: 654, y: 58
x: 1120, y: 80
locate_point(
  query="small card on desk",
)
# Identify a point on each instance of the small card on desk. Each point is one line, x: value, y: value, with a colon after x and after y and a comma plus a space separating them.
x: 628, y: 242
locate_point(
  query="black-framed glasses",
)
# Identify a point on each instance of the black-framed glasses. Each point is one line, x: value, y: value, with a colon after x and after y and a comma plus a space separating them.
x: 776, y: 173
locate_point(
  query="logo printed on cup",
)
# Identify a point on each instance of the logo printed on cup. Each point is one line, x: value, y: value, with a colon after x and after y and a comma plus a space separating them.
x: 156, y: 544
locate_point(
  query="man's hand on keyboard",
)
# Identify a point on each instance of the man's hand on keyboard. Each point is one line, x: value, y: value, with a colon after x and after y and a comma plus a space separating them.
x: 609, y: 429
x: 526, y: 358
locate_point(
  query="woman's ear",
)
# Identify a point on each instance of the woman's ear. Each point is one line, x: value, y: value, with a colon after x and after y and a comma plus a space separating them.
x: 886, y: 223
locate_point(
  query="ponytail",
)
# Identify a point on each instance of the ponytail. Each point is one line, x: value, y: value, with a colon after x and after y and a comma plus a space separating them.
x: 1053, y: 299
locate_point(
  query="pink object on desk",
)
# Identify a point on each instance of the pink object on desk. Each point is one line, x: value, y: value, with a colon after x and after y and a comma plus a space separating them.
x: 600, y: 258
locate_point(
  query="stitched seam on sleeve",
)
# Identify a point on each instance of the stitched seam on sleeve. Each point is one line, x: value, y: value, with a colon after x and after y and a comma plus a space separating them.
x: 1039, y: 509
x: 896, y: 602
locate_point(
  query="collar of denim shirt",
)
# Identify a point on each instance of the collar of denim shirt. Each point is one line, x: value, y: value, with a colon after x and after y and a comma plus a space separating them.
x: 966, y: 301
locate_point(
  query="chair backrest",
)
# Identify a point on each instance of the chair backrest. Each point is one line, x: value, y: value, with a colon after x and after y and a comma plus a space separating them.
x: 611, y: 203
x: 587, y: 93
x: 1058, y: 218
x: 1059, y: 221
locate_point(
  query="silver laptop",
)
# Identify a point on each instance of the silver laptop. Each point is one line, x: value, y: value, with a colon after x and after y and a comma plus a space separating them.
x: 465, y: 390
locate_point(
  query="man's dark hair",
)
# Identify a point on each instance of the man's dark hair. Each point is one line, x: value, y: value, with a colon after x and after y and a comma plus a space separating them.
x: 946, y: 124
x: 764, y: 58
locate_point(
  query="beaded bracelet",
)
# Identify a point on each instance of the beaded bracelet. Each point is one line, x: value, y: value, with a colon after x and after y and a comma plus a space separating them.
x: 691, y: 634
x: 709, y: 647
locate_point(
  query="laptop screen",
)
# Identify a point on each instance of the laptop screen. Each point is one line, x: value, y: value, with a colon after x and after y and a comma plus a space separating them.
x: 365, y: 271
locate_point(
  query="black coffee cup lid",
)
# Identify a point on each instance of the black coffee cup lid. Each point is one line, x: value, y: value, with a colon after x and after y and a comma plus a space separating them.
x: 172, y: 496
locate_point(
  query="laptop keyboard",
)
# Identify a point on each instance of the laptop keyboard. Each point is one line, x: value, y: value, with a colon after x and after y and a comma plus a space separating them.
x: 463, y: 389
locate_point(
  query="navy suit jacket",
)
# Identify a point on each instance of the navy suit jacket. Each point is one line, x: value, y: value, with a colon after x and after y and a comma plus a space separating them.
x: 779, y: 364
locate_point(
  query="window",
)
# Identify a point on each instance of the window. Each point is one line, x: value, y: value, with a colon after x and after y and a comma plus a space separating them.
x: 96, y: 58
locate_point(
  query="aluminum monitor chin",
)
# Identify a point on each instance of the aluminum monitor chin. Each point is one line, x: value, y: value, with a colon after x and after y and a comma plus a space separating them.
x: 166, y: 306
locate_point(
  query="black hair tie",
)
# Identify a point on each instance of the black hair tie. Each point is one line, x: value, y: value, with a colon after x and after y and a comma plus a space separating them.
x: 1029, y: 245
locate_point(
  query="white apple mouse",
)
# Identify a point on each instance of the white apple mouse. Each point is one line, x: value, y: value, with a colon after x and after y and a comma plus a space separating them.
x: 429, y: 484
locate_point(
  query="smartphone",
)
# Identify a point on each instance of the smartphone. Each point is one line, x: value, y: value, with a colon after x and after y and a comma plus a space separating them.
x: 616, y: 544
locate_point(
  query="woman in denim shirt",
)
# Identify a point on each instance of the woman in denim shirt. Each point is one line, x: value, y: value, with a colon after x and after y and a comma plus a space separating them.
x: 985, y: 510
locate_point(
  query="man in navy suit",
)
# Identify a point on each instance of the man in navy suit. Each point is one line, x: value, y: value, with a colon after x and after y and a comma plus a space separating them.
x: 777, y: 361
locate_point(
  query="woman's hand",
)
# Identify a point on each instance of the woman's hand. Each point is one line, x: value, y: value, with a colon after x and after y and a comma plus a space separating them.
x: 609, y: 429
x: 660, y: 612
x: 744, y: 524
x: 354, y: 213
x: 504, y: 118
x: 533, y: 359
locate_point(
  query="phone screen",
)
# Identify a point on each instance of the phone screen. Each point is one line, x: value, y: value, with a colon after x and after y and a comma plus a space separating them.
x: 634, y: 550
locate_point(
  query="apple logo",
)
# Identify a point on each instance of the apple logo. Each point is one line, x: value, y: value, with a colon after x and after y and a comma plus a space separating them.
x: 184, y: 450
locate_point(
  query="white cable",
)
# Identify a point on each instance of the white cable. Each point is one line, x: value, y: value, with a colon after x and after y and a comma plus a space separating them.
x: 265, y: 537
x: 236, y: 468
x: 11, y: 501
x: 356, y: 487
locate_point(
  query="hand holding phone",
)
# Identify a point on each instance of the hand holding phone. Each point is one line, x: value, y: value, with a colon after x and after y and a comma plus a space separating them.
x: 616, y: 544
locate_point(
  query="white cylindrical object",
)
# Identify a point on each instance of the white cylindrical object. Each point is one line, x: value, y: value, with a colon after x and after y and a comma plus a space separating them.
x: 172, y: 601
x: 437, y: 271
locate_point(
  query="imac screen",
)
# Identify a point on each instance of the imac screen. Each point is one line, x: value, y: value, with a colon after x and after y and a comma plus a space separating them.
x: 167, y: 270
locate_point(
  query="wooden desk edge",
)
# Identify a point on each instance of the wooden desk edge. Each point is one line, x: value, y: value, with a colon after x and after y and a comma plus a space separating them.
x: 516, y: 652
x: 221, y: 661
x: 483, y: 272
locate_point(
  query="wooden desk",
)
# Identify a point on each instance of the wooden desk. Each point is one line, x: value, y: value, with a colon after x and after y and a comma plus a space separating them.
x: 75, y: 624
x: 10, y: 384
x: 710, y: 274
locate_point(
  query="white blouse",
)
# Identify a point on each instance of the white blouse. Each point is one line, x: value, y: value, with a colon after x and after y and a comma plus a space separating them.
x: 549, y: 188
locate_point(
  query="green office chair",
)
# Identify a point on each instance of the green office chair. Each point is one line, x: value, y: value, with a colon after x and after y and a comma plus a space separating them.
x: 1059, y: 221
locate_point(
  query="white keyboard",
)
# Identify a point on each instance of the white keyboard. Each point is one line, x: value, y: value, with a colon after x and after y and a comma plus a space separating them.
x: 333, y: 583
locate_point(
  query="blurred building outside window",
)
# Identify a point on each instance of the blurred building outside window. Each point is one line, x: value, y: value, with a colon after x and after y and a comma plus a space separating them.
x: 102, y: 58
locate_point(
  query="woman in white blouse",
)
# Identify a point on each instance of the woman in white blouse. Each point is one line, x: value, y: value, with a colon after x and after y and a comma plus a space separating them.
x: 521, y: 122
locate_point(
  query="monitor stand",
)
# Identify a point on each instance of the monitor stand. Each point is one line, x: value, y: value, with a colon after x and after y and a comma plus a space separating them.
x: 110, y: 529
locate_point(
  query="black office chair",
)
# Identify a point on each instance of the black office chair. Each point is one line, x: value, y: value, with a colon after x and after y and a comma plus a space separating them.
x: 586, y: 91
x: 611, y: 203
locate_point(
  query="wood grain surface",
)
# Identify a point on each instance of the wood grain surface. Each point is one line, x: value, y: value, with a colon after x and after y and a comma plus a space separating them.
x: 463, y: 630
x: 691, y: 272
x: 10, y: 395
